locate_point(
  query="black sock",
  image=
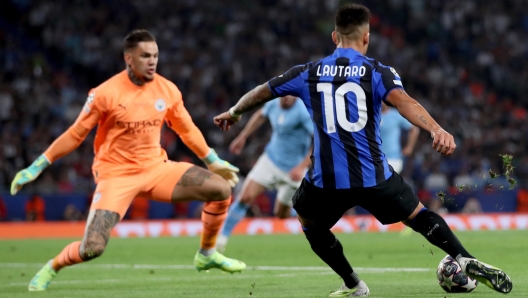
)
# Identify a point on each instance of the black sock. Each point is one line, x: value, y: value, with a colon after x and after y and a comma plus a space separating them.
x: 330, y: 250
x: 434, y: 228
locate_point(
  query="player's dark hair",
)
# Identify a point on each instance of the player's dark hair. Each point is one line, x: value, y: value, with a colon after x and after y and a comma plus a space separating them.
x: 350, y: 17
x: 133, y: 38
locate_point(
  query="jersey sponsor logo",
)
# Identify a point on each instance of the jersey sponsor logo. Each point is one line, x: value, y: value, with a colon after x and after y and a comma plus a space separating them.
x: 341, y: 70
x: 139, y: 127
x: 160, y: 105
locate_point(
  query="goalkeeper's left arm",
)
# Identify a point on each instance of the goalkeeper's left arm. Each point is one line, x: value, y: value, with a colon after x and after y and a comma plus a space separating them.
x: 179, y: 120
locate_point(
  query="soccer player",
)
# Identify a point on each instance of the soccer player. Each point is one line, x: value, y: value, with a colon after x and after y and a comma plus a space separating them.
x: 343, y: 93
x: 282, y: 165
x: 130, y: 109
x: 391, y: 126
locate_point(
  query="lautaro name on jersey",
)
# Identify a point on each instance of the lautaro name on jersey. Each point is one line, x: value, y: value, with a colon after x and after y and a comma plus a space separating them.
x: 341, y: 70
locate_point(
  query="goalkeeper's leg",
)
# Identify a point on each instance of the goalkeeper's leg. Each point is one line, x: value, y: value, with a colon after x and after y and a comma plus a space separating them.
x: 99, y: 227
x: 111, y: 200
x: 179, y: 182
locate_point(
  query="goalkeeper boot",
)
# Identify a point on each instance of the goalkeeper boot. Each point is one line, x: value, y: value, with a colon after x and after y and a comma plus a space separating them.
x: 491, y: 276
x: 360, y: 290
x: 218, y: 260
x: 42, y: 279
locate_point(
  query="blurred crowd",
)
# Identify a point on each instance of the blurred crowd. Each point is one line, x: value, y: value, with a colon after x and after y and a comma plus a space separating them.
x: 465, y: 61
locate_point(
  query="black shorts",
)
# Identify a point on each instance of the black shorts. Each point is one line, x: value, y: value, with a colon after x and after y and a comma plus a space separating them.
x: 390, y: 201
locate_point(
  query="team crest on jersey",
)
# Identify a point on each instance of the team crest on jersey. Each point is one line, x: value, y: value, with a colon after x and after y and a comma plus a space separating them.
x: 160, y: 105
x: 394, y: 72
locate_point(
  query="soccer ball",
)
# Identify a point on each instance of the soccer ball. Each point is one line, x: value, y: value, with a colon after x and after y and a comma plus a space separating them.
x: 452, y: 279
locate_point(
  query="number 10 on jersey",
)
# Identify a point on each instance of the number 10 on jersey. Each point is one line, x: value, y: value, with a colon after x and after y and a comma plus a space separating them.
x: 339, y: 101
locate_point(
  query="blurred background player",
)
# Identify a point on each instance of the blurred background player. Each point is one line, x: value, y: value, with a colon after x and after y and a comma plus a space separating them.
x: 391, y: 126
x: 130, y: 109
x: 282, y: 165
x: 343, y: 93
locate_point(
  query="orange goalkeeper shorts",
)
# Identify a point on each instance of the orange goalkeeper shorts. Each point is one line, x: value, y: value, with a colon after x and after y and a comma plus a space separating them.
x: 156, y: 183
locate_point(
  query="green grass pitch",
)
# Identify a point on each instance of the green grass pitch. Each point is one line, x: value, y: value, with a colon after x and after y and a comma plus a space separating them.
x: 280, y: 266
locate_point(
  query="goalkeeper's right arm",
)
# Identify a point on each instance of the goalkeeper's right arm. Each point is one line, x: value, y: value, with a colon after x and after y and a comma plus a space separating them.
x: 64, y: 144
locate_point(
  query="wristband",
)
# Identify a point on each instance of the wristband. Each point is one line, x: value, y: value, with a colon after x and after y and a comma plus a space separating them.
x: 40, y: 164
x: 211, y: 157
x: 233, y: 114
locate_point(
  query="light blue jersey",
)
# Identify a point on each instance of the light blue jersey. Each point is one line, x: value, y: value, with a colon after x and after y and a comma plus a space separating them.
x: 289, y: 144
x: 390, y: 130
x: 292, y: 133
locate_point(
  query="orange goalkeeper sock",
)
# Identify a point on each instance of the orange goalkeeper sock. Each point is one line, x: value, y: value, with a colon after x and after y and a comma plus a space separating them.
x: 70, y: 255
x: 213, y: 216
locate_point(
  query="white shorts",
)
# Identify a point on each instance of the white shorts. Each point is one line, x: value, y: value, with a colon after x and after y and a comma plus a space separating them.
x: 396, y: 163
x: 267, y: 174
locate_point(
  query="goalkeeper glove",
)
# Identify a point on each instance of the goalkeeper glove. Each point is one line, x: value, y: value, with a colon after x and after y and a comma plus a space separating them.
x: 29, y: 174
x: 221, y: 167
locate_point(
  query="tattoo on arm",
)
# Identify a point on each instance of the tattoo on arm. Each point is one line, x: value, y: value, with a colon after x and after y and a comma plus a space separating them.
x: 422, y: 118
x: 253, y: 99
x: 195, y: 176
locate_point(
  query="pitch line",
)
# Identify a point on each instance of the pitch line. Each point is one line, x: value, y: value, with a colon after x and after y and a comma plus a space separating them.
x: 127, y: 280
x: 190, y: 267
x: 308, y: 270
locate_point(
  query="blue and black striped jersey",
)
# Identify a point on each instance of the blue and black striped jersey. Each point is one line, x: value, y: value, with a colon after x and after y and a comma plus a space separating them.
x: 343, y: 94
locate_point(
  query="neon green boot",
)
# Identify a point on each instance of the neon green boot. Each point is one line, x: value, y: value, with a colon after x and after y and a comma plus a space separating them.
x: 42, y: 279
x: 218, y: 260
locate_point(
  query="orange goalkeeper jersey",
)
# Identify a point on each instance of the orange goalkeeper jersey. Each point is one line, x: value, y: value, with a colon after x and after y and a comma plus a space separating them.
x: 130, y: 119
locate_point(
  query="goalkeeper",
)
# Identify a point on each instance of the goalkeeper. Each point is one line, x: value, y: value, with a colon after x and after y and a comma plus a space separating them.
x: 130, y: 109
